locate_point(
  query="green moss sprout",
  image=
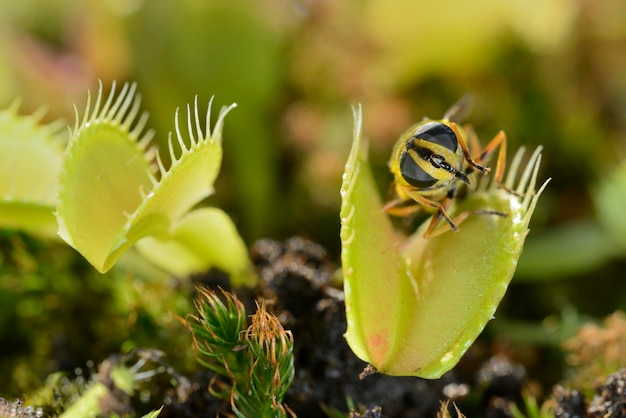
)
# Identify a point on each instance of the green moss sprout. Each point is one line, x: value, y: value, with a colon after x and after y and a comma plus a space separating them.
x: 256, y: 359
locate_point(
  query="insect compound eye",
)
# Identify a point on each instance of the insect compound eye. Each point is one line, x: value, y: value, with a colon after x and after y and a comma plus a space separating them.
x: 438, y: 133
x: 413, y: 173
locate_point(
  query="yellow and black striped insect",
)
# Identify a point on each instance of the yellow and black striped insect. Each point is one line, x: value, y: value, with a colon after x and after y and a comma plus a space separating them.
x: 431, y: 160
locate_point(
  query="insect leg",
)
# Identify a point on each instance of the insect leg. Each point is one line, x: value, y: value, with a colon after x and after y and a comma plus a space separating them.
x: 499, y: 139
x: 431, y: 232
x: 441, y: 211
x: 473, y: 142
x: 466, y: 152
x: 399, y: 208
x: 464, y: 215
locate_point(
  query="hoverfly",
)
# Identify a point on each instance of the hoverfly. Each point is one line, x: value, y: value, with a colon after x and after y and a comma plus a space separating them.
x: 431, y: 160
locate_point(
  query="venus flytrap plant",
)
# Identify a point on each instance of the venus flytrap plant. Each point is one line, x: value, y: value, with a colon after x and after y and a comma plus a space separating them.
x: 114, y: 191
x: 30, y: 158
x: 415, y: 305
x: 202, y: 238
x: 104, y: 178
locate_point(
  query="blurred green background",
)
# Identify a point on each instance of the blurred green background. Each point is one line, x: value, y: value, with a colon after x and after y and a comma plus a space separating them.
x: 550, y: 73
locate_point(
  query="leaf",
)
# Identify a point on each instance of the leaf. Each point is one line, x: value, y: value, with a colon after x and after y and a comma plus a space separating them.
x: 415, y: 305
x: 89, y: 404
x: 109, y: 196
x: 201, y: 239
x: 153, y: 414
x: 608, y: 199
x: 579, y: 247
x: 570, y: 250
x: 369, y: 259
x: 30, y: 158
